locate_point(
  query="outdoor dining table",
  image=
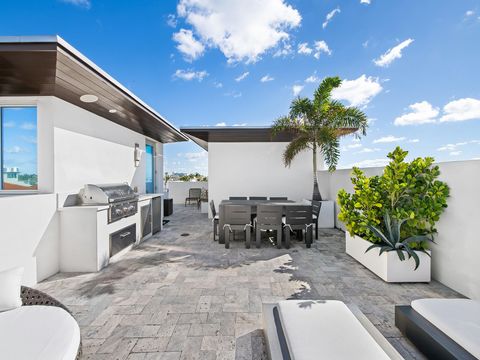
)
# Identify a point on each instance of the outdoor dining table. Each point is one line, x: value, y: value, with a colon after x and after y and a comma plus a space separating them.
x: 253, y: 204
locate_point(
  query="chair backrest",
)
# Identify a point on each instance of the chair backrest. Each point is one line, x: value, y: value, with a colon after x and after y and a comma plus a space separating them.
x: 298, y: 214
x: 194, y: 192
x: 212, y: 208
x: 258, y: 198
x: 316, y: 206
x: 278, y: 198
x: 269, y: 214
x: 237, y: 214
x: 237, y: 198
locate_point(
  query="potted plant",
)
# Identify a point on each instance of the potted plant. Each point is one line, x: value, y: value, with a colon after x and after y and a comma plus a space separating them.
x: 410, y: 194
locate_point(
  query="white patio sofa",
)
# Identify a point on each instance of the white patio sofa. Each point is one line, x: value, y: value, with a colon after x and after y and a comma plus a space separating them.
x: 442, y: 328
x: 317, y: 329
x: 41, y: 329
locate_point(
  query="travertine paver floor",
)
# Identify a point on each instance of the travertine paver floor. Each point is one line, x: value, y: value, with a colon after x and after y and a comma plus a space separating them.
x: 187, y: 297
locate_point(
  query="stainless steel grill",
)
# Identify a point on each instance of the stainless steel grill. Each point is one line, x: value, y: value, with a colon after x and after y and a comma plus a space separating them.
x: 120, y: 198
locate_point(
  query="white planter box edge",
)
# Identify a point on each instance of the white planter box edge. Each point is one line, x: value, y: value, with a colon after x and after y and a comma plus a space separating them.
x: 388, y: 266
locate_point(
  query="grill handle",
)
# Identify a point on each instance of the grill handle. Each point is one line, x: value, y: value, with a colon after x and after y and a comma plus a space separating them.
x: 125, y: 234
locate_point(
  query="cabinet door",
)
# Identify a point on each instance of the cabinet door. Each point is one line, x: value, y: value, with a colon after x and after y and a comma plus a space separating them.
x: 157, y: 214
x: 146, y: 219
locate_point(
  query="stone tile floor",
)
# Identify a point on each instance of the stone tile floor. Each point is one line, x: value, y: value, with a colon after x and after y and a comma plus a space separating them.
x: 187, y: 297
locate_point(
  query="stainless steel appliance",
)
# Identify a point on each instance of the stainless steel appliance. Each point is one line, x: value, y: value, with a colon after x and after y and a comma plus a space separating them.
x: 120, y: 198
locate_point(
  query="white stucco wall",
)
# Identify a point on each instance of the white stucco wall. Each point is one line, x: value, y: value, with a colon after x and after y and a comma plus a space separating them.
x: 257, y: 169
x: 455, y: 255
x: 178, y: 190
x: 75, y: 147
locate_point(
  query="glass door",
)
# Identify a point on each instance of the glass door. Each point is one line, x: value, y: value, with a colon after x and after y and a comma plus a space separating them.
x: 150, y: 167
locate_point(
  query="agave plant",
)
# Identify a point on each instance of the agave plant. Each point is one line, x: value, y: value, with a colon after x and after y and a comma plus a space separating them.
x: 392, y: 240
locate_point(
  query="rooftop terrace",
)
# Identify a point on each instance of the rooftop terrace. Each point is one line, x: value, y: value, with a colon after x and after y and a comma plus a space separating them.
x: 187, y: 297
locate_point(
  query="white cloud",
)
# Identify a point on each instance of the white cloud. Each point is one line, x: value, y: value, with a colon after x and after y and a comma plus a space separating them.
x: 359, y: 91
x: 394, y: 53
x: 365, y: 44
x: 312, y: 79
x: 266, y: 78
x: 367, y: 150
x: 28, y: 126
x: 234, y: 94
x: 242, y: 30
x: 388, y: 139
x: 16, y: 150
x: 217, y: 84
x: 189, y: 75
x: 223, y: 123
x: 368, y: 2
x: 454, y: 147
x: 330, y: 16
x: 81, y: 3
x: 296, y: 89
x: 195, y: 156
x: 414, y: 140
x: 461, y: 110
x: 420, y: 113
x: 455, y: 153
x: 304, y: 49
x: 285, y: 50
x: 172, y: 20
x: 321, y: 47
x: 242, y: 124
x: 242, y: 77
x: 354, y: 146
x: 190, y: 47
x: 469, y: 13
x: 9, y: 124
x: 368, y: 163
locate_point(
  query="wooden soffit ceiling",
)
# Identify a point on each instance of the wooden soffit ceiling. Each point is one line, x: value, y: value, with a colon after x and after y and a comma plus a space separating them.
x: 48, y: 66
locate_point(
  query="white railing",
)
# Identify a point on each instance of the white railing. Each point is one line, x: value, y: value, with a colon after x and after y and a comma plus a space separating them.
x: 178, y: 190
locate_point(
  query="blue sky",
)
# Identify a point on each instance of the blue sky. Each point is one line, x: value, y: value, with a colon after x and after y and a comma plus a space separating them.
x: 411, y: 65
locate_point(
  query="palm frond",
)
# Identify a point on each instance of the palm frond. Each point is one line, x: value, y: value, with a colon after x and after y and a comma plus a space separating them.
x: 331, y: 153
x: 302, y: 108
x: 348, y: 117
x: 285, y: 123
x: 323, y: 93
x: 297, y: 145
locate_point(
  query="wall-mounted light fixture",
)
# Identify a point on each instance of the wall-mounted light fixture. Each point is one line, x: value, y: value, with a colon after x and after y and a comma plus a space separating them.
x: 137, y: 155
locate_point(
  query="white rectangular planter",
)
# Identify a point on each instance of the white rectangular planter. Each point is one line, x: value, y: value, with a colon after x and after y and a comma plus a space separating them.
x: 388, y: 266
x: 326, y: 220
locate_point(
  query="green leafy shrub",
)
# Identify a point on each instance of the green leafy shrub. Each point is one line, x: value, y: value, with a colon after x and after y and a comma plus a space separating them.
x: 406, y: 190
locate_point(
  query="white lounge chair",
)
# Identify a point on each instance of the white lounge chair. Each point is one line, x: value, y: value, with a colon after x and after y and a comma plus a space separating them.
x: 318, y: 329
x: 442, y: 328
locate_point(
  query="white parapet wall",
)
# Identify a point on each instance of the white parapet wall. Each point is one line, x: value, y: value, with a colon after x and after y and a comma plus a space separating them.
x: 257, y: 169
x: 455, y: 255
x: 178, y: 190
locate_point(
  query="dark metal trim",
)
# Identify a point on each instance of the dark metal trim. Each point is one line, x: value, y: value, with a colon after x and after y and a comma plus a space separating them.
x: 281, y: 336
x: 430, y: 340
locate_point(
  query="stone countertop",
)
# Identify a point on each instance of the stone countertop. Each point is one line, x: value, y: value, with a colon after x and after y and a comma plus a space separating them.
x: 143, y: 197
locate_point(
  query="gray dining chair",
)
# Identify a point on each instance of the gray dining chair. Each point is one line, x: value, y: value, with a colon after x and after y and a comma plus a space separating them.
x: 237, y: 198
x: 257, y: 198
x: 215, y: 219
x: 316, y: 207
x: 269, y: 217
x: 298, y: 218
x: 194, y: 195
x: 276, y: 198
x: 237, y: 218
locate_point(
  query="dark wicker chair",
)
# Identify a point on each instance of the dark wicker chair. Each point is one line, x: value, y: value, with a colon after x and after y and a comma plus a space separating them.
x: 298, y: 218
x: 32, y: 297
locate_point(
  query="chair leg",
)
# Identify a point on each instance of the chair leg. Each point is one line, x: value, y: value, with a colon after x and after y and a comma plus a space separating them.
x: 316, y: 228
x: 309, y: 237
x: 215, y: 227
x: 258, y: 235
x: 279, y: 237
x: 227, y: 238
x: 248, y: 234
x: 286, y: 233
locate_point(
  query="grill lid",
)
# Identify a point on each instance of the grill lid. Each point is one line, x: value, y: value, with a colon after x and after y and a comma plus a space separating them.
x: 106, y: 193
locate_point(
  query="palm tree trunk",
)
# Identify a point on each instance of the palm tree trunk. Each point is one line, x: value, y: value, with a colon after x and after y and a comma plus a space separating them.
x: 316, y: 191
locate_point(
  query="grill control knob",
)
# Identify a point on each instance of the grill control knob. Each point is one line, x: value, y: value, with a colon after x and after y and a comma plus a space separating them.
x: 118, y: 212
x: 131, y: 208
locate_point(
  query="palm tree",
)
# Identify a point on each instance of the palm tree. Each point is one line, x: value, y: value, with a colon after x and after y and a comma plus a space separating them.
x: 317, y: 125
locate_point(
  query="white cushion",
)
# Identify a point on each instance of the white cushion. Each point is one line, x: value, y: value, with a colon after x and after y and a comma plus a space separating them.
x: 38, y: 332
x: 459, y: 319
x: 326, y: 330
x: 10, y: 287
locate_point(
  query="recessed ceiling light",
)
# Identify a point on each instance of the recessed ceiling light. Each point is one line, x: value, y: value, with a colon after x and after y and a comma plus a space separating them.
x: 88, y: 98
x: 112, y: 111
